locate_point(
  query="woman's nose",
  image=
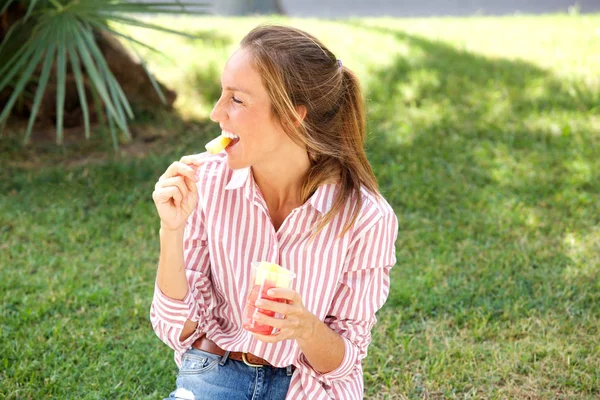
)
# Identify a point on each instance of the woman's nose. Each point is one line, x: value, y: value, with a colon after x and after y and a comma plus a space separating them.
x: 217, y: 114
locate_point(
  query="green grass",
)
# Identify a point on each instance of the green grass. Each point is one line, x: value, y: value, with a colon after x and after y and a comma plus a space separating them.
x: 484, y: 134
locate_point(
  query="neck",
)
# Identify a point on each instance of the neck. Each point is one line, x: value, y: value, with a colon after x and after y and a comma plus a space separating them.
x: 280, y: 182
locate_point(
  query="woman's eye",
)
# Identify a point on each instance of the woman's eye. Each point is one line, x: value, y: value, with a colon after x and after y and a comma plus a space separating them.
x: 238, y: 101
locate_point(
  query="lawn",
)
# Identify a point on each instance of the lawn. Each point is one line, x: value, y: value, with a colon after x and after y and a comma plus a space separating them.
x: 484, y: 134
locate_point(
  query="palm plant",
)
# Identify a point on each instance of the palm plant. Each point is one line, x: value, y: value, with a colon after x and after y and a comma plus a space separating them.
x: 41, y: 36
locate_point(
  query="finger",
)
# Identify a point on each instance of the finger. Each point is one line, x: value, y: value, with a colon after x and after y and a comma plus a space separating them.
x: 172, y: 181
x: 281, y: 308
x: 176, y: 181
x: 267, y: 320
x: 191, y: 185
x: 164, y: 195
x: 177, y: 198
x: 287, y: 294
x: 194, y: 159
x: 179, y: 168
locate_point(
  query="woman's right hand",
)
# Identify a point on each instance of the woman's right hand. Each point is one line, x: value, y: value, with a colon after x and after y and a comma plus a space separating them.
x: 176, y: 194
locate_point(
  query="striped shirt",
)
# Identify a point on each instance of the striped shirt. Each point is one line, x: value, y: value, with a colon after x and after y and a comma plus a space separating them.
x: 343, y: 281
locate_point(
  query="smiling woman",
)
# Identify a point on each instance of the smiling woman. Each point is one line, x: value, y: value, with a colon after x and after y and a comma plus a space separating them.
x: 293, y: 187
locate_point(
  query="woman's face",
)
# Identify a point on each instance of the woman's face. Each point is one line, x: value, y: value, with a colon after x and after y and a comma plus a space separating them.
x: 244, y: 109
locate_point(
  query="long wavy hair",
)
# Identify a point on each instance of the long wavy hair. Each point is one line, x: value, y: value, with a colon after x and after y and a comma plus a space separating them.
x: 298, y: 70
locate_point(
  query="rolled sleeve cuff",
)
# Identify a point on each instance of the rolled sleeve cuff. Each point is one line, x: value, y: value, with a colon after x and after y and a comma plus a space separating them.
x: 175, y: 312
x: 343, y: 370
x: 187, y: 343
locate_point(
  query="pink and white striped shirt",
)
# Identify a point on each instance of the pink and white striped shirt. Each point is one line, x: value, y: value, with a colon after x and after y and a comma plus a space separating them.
x: 343, y: 281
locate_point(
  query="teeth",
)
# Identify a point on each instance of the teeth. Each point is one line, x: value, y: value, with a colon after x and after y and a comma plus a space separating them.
x: 229, y: 134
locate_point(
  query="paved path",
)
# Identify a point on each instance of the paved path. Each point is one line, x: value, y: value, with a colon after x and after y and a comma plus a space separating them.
x: 427, y: 8
x: 408, y: 8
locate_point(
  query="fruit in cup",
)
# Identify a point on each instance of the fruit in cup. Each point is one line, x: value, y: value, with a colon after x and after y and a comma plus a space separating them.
x: 278, y: 276
x: 268, y: 276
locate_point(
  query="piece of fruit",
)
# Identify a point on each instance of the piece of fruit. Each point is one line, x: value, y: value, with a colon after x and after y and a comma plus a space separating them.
x: 279, y: 276
x: 218, y: 144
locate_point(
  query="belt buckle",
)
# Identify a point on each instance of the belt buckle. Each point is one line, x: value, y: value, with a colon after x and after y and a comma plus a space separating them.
x: 248, y: 363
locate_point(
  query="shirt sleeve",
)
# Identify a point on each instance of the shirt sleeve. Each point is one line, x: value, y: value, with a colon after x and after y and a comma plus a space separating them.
x: 362, y: 290
x: 169, y: 315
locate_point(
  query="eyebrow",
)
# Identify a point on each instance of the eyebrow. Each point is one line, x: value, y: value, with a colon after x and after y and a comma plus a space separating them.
x: 237, y: 89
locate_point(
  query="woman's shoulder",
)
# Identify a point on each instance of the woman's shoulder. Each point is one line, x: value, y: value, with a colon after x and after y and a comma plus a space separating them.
x: 374, y: 204
x: 375, y: 213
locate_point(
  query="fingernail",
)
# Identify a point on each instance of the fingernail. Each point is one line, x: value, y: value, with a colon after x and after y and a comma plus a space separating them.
x: 271, y: 292
x: 260, y: 303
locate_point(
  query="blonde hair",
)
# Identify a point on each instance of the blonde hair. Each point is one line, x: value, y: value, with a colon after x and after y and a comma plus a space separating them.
x: 298, y: 70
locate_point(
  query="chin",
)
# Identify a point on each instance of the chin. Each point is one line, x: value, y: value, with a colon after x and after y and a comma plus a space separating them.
x: 236, y: 164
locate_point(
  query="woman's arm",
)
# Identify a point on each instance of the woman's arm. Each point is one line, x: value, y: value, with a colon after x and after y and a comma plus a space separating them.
x: 183, y: 300
x: 179, y: 319
x: 324, y: 349
x: 170, y: 277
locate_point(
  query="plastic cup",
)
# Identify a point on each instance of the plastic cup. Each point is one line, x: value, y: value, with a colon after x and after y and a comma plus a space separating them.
x: 264, y: 276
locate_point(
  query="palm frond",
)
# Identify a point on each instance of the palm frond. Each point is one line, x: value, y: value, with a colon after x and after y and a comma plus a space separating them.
x: 142, y: 24
x: 61, y: 33
x: 31, y: 58
x: 96, y: 77
x: 117, y: 94
x: 41, y: 87
x: 30, y: 9
x: 80, y: 87
x: 152, y: 80
x: 61, y: 77
x: 113, y: 133
x: 6, y: 5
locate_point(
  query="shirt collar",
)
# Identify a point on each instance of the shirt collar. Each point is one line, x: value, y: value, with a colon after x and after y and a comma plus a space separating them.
x: 321, y: 200
x: 238, y: 178
x: 242, y: 178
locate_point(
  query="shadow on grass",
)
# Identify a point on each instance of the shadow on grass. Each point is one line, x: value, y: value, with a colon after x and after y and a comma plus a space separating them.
x: 492, y: 168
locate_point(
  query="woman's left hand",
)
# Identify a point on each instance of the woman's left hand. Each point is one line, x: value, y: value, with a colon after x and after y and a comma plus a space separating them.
x: 298, y: 323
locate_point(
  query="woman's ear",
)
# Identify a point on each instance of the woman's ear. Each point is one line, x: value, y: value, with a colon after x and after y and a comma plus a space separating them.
x: 301, y: 110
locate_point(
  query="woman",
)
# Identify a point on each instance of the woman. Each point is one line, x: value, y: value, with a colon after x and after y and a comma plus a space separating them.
x: 294, y: 188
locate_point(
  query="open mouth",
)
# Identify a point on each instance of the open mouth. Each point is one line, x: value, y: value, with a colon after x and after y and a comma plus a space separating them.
x: 233, y: 143
x: 234, y: 139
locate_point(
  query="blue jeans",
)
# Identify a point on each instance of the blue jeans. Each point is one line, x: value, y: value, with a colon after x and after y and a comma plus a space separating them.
x: 207, y: 376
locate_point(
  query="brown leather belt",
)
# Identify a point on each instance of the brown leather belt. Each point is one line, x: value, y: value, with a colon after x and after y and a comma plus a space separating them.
x: 249, y: 359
